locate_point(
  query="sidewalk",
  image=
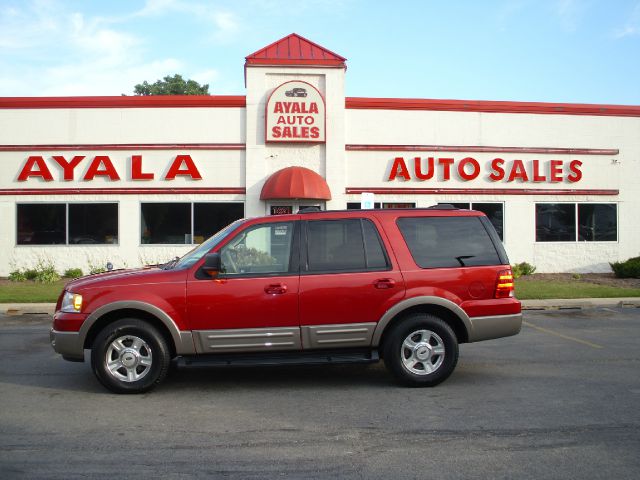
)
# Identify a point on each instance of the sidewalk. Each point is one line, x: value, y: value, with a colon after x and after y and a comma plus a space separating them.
x: 551, y: 304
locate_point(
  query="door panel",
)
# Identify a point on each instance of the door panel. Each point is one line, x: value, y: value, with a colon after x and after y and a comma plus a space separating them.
x: 347, y: 276
x: 259, y: 284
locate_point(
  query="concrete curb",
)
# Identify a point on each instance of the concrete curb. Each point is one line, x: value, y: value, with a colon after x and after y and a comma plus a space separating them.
x: 27, y: 308
x: 551, y: 304
x: 579, y: 303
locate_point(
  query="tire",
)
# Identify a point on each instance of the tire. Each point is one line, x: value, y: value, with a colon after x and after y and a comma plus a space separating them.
x: 130, y: 356
x: 421, y: 350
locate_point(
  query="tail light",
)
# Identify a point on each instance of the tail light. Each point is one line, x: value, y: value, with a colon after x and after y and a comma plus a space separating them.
x: 504, y: 284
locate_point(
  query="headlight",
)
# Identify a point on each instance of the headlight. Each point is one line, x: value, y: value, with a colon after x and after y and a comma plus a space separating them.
x: 71, y: 302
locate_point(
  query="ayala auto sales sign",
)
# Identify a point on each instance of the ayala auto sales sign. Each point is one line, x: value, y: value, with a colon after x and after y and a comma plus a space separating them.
x: 295, y: 112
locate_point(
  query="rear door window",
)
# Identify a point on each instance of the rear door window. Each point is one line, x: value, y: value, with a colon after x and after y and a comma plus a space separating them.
x: 344, y: 245
x: 442, y: 242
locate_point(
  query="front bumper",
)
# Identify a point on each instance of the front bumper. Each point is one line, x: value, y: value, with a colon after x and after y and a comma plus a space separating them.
x: 69, y: 344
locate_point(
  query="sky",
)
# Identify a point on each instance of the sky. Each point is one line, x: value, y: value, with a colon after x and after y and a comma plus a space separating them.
x: 574, y: 51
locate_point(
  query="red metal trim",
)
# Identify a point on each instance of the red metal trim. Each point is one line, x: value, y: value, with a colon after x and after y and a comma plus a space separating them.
x: 125, y: 146
x: 122, y: 191
x: 294, y: 62
x: 151, y: 101
x: 492, y: 106
x: 479, y: 191
x: 474, y: 148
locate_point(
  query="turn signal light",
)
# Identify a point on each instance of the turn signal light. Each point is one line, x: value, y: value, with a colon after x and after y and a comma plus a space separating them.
x: 504, y: 284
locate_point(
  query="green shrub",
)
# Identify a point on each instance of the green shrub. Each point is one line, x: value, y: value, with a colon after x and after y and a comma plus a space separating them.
x: 31, y: 273
x: 46, y: 272
x: 523, y: 268
x: 627, y: 269
x: 17, y: 276
x: 73, y: 273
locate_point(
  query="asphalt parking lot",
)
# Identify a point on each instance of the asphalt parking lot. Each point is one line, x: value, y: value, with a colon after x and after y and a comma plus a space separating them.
x: 560, y: 400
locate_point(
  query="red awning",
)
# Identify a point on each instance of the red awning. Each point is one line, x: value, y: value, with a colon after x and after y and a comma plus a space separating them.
x: 295, y: 182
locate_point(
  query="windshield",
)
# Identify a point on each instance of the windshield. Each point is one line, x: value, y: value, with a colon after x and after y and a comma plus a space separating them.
x: 192, y: 256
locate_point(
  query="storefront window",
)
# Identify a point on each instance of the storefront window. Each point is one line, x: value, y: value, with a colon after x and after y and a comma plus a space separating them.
x: 93, y: 223
x: 166, y: 223
x: 597, y: 222
x: 72, y: 224
x: 493, y: 211
x: 209, y: 218
x: 42, y: 224
x: 185, y: 223
x: 357, y: 205
x: 555, y: 222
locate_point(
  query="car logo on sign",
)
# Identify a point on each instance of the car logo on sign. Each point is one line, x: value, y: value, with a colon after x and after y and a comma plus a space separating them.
x: 296, y: 92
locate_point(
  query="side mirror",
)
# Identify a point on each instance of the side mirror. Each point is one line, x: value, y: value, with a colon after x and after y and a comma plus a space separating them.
x: 212, y: 264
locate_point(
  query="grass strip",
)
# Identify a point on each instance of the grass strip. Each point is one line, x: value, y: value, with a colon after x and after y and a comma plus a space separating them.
x: 30, y: 292
x: 541, y: 290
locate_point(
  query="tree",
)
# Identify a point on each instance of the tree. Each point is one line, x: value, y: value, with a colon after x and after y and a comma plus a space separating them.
x: 169, y: 85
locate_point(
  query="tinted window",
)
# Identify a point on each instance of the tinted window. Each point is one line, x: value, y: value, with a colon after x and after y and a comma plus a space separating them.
x: 344, y: 245
x: 597, y: 222
x: 42, y: 224
x: 375, y: 255
x: 494, y: 212
x: 437, y: 242
x: 93, y: 223
x: 262, y: 249
x: 166, y: 223
x: 555, y: 222
x: 208, y: 218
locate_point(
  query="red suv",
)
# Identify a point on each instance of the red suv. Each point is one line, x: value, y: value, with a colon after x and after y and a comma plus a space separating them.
x: 316, y: 287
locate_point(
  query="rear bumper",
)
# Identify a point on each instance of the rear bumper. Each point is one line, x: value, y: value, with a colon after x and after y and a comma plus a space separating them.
x: 496, y: 326
x: 68, y: 344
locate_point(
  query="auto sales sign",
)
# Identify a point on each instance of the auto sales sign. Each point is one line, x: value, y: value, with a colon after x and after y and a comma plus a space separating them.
x: 295, y: 113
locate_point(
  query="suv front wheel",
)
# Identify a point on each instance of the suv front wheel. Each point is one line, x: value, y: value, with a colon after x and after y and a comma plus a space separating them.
x: 130, y: 356
x: 421, y: 350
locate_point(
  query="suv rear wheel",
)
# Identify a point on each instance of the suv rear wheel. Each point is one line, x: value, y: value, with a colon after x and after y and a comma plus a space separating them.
x: 421, y: 350
x: 130, y: 356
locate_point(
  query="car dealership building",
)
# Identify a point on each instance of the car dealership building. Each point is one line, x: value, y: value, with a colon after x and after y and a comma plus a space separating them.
x: 139, y: 180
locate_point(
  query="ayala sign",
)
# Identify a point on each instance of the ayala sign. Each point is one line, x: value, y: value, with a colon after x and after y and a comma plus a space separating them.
x: 295, y: 112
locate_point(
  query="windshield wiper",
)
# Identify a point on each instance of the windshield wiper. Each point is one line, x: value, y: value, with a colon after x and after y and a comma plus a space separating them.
x: 170, y: 264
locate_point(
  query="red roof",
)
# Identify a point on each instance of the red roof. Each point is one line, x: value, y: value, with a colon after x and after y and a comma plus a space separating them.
x: 295, y: 50
x: 295, y: 182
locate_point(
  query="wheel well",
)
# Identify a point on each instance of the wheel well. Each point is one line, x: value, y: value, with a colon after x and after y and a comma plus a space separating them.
x: 114, y: 315
x: 456, y: 324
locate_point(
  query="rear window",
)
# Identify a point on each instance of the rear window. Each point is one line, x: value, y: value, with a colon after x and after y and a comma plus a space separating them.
x: 441, y: 242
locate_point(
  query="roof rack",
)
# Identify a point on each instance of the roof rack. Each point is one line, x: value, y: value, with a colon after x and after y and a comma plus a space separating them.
x: 310, y: 210
x: 442, y: 206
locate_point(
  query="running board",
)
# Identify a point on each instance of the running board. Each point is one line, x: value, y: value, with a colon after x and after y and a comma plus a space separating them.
x: 274, y: 359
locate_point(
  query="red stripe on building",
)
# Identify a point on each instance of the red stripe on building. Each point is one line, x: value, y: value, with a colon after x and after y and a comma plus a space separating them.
x: 492, y: 106
x: 122, y: 191
x: 125, y: 146
x: 479, y: 191
x: 151, y: 101
x: 475, y: 148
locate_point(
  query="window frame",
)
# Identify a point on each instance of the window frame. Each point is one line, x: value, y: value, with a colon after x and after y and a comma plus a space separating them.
x: 66, y: 224
x: 304, y: 248
x: 192, y: 220
x: 576, y: 206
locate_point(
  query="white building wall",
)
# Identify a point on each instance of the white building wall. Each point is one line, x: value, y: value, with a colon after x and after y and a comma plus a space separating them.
x: 97, y: 128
